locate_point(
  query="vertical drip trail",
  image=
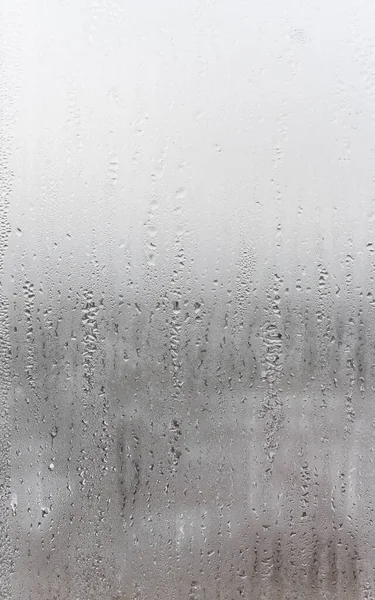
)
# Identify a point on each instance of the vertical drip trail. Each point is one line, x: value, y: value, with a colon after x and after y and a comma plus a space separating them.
x: 8, y: 68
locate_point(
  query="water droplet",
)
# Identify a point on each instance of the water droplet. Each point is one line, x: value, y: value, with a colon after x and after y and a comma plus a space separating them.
x: 152, y: 230
x: 154, y: 204
x: 181, y: 193
x: 14, y: 504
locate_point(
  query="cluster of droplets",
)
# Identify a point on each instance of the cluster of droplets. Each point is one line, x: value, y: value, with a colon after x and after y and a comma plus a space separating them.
x: 272, y: 370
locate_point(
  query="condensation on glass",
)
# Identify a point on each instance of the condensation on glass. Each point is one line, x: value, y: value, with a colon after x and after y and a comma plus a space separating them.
x: 187, y: 372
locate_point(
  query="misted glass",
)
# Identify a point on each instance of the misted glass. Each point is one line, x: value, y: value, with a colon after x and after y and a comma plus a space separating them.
x: 187, y: 311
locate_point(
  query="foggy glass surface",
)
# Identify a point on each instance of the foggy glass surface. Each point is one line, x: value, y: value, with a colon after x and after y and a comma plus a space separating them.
x: 187, y: 357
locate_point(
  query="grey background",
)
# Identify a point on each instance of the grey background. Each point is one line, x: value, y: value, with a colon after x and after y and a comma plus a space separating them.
x: 187, y: 254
